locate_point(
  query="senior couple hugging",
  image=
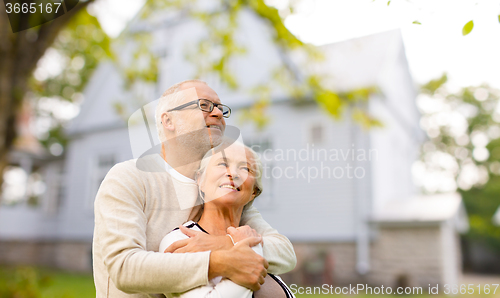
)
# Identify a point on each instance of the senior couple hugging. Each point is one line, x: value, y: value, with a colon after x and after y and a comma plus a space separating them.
x: 182, y: 223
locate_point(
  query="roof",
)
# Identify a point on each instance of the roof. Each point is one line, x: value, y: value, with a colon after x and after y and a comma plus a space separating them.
x: 425, y: 209
x: 359, y: 62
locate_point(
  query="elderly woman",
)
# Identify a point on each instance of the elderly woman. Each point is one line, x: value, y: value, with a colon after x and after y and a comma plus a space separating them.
x: 229, y: 178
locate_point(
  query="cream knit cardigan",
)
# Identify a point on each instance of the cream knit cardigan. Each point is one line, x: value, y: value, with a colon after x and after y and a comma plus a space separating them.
x: 134, y: 209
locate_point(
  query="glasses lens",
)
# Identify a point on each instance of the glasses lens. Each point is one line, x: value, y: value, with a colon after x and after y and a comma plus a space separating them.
x: 226, y: 111
x: 206, y: 105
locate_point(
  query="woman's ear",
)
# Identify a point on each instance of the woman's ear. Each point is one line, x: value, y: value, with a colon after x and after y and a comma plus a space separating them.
x: 255, y: 193
x: 166, y: 121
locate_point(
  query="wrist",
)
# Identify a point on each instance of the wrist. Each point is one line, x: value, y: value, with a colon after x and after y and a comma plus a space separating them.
x: 217, y: 266
x: 227, y: 243
x: 232, y: 240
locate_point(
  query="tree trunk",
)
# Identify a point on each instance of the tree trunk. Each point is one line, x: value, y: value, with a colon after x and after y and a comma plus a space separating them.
x: 19, y: 55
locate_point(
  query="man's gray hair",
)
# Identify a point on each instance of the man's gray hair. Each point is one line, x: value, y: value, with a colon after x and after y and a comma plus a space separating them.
x: 256, y: 166
x: 169, y: 100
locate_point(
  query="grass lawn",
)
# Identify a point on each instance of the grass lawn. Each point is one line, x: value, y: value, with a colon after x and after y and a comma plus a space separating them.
x: 44, y: 283
x: 69, y: 285
x: 47, y: 283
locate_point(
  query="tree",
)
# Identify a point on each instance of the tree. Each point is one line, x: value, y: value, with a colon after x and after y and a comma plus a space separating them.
x: 464, y: 151
x: 19, y: 55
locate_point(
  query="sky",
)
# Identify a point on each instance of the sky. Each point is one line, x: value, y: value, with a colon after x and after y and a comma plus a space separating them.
x: 433, y: 47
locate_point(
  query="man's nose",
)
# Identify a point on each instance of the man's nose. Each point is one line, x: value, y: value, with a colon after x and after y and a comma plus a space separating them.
x: 216, y: 113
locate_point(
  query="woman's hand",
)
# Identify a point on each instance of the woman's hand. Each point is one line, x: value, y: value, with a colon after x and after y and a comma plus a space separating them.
x: 241, y: 233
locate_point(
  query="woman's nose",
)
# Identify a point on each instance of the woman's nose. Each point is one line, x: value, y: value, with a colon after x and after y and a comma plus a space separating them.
x: 232, y: 173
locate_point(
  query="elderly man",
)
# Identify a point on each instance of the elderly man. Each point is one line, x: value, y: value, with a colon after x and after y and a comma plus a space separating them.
x: 135, y: 208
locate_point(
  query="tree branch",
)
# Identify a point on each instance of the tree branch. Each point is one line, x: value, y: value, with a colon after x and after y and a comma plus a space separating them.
x: 46, y: 36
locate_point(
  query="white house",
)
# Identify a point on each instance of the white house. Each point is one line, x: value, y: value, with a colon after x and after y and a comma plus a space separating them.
x: 344, y: 196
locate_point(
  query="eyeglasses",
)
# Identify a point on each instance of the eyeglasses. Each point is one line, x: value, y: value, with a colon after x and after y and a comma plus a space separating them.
x: 206, y: 106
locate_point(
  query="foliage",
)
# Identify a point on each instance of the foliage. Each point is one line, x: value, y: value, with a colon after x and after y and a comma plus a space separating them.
x: 481, y: 204
x: 464, y: 142
x: 467, y: 28
x: 212, y: 55
x: 81, y: 45
x: 257, y: 113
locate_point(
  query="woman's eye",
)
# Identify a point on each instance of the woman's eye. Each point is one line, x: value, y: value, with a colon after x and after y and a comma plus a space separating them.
x: 246, y: 169
x: 222, y: 164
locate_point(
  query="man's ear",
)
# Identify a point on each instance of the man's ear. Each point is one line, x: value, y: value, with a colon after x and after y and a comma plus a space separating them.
x: 198, y: 178
x: 167, y: 122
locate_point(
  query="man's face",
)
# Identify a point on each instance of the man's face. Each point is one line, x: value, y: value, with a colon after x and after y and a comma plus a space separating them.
x: 196, y: 128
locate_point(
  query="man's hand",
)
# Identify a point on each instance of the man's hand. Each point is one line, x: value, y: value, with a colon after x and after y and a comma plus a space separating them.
x: 241, y: 233
x: 240, y: 264
x: 199, y: 241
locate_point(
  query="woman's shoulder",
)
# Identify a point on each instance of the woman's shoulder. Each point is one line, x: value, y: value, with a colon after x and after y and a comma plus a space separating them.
x: 176, y: 235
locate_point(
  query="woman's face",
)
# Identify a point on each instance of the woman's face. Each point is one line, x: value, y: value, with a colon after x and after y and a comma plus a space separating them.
x: 229, y: 177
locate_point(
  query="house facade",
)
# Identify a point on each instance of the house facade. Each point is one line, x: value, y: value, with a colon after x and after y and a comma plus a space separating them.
x: 329, y: 185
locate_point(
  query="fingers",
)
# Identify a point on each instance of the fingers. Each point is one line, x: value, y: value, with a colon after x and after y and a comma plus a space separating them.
x: 188, y: 232
x: 266, y: 265
x: 247, y: 230
x: 255, y: 287
x: 251, y: 241
x: 181, y: 250
x: 261, y: 280
x: 176, y: 245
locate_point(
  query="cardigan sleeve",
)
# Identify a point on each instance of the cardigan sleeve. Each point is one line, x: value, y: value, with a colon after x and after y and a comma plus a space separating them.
x: 120, y: 237
x: 278, y: 250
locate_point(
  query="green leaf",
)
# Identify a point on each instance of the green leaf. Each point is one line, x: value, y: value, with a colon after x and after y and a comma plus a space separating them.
x: 388, y: 2
x: 417, y: 22
x: 499, y: 18
x: 467, y: 28
x: 433, y: 85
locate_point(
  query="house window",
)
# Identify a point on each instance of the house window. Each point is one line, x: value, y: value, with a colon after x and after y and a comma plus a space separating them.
x: 54, y: 175
x: 317, y: 134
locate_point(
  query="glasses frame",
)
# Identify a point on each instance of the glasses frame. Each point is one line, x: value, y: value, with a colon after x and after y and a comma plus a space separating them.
x: 211, y: 108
